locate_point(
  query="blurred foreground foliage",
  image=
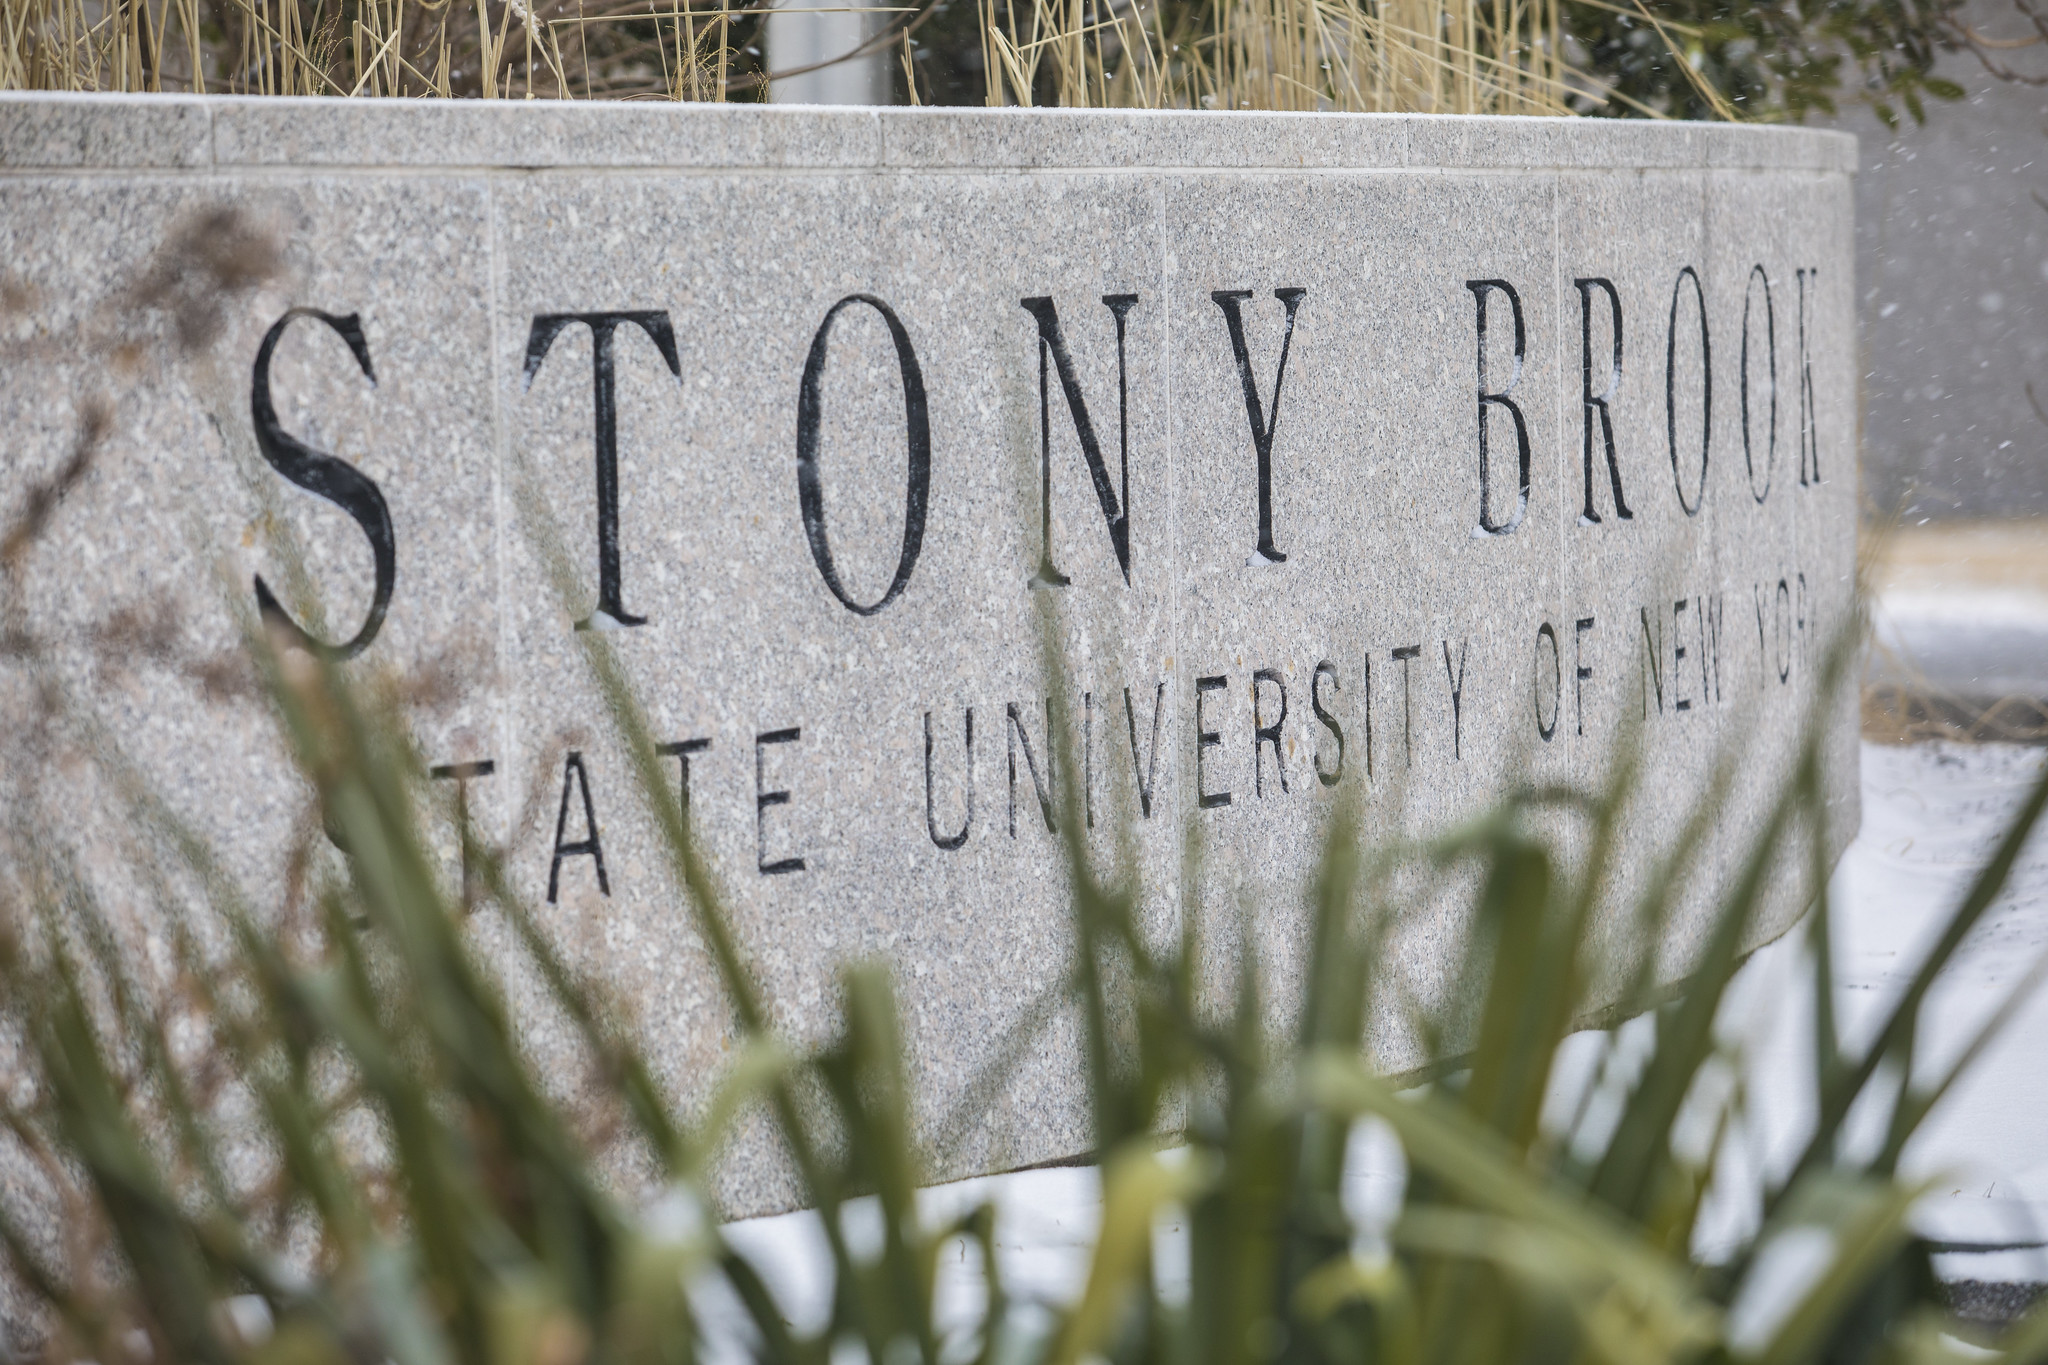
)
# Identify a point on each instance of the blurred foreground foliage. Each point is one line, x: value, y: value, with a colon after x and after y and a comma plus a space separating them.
x: 314, y: 1136
x: 471, y: 1224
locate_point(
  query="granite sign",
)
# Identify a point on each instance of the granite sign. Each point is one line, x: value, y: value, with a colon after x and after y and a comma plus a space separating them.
x: 1396, y: 458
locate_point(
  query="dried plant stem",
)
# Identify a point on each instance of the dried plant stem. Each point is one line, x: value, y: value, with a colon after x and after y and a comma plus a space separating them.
x: 387, y: 48
x: 1428, y: 56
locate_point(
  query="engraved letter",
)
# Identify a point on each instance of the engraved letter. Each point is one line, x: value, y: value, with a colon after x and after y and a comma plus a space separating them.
x: 763, y: 799
x: 1148, y: 774
x: 1315, y: 701
x: 1784, y: 601
x: 1802, y: 609
x: 1709, y: 617
x: 1206, y: 740
x: 1581, y: 670
x: 589, y: 845
x: 680, y: 751
x: 1262, y: 422
x: 1756, y: 595
x: 604, y: 401
x: 1546, y: 633
x: 1653, y: 651
x: 1809, y: 417
x: 1263, y: 734
x: 1756, y: 273
x: 1116, y: 512
x: 949, y: 842
x: 1042, y: 786
x: 1087, y: 757
x: 1692, y: 508
x: 1404, y: 656
x: 1457, y: 682
x: 341, y: 483
x: 1487, y: 525
x: 1593, y: 403
x: 810, y: 491
x: 1678, y: 703
x: 1368, y: 717
x: 463, y: 774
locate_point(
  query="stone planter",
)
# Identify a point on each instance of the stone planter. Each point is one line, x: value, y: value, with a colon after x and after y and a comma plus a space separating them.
x: 1391, y: 459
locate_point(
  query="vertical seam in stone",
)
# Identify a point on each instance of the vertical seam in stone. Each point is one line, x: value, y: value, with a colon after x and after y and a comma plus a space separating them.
x: 1560, y: 475
x: 503, y: 682
x: 1798, y: 516
x: 1170, y: 798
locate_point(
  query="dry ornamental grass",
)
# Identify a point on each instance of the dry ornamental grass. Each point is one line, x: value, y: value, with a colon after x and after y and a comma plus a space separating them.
x: 1682, y: 58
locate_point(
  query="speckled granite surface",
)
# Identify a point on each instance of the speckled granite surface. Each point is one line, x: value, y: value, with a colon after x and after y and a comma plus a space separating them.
x: 791, y: 386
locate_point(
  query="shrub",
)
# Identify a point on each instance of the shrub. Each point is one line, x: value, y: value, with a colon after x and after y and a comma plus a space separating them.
x: 1751, y: 59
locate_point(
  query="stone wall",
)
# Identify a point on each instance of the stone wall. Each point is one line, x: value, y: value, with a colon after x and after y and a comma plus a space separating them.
x: 1354, y: 458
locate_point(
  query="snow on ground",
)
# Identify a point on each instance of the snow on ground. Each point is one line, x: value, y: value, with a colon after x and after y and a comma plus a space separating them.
x: 1932, y: 814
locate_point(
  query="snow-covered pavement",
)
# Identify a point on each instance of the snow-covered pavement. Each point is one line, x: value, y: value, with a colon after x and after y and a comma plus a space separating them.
x: 1931, y: 815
